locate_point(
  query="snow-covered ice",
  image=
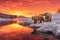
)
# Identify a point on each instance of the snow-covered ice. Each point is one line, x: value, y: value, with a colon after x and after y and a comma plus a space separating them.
x: 53, y: 26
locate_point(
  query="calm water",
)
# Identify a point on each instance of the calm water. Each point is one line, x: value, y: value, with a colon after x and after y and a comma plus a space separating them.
x: 14, y: 32
x: 17, y: 32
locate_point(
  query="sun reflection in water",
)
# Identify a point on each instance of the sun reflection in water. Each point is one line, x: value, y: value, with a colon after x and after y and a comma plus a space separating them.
x: 15, y: 28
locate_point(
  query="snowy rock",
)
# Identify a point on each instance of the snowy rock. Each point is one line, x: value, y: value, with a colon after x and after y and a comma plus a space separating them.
x: 53, y: 26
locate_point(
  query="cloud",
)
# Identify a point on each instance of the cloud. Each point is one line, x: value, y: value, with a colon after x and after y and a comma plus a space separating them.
x: 9, y: 0
x: 33, y: 6
x: 54, y: 1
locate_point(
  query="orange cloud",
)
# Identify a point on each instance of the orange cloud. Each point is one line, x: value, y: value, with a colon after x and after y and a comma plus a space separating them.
x: 28, y: 7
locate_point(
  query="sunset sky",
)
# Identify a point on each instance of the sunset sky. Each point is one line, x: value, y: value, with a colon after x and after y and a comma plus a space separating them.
x: 28, y: 7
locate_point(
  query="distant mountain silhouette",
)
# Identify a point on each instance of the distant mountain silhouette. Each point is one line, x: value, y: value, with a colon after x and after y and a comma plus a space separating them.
x: 10, y: 16
x: 22, y: 17
x: 7, y: 16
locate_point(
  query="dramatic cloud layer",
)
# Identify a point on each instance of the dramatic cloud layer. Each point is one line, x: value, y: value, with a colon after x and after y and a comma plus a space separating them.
x: 28, y: 7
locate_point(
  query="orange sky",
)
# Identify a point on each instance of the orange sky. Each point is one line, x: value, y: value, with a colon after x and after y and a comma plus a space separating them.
x: 28, y: 7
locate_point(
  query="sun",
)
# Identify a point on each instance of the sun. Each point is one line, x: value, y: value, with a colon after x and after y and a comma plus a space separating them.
x: 17, y: 13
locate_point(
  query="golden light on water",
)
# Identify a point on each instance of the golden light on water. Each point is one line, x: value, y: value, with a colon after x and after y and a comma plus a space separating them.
x: 15, y: 28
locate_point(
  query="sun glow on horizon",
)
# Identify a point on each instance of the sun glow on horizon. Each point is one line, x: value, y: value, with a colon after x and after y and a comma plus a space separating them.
x: 26, y: 13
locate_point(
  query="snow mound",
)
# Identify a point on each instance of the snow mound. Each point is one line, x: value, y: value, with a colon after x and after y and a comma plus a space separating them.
x: 53, y: 26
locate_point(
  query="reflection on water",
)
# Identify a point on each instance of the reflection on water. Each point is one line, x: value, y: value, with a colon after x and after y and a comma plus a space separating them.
x: 17, y: 32
x: 14, y: 32
x: 15, y: 28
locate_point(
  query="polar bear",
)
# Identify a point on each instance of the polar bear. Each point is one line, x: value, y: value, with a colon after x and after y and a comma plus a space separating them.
x: 48, y: 17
